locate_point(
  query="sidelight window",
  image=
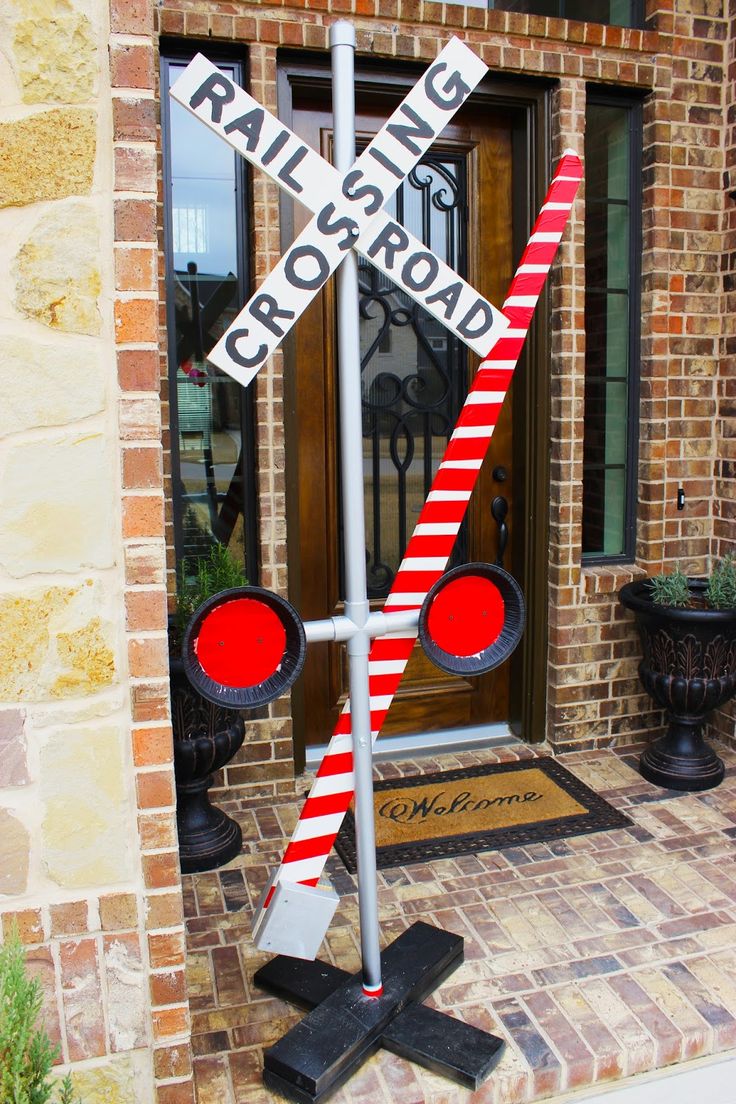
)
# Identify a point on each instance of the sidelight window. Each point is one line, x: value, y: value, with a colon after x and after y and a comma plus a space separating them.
x: 612, y: 294
x: 212, y: 451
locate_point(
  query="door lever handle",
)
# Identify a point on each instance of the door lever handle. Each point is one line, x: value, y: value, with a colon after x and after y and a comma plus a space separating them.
x: 499, y: 510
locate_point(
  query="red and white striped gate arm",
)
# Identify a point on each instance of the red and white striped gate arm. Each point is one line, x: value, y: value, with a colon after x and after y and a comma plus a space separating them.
x: 431, y: 544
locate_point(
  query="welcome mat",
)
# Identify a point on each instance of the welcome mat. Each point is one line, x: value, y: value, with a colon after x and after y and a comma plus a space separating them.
x: 486, y: 808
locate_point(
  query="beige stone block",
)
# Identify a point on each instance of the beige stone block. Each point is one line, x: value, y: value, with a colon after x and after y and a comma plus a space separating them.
x: 114, y: 1083
x: 56, y: 501
x: 49, y: 385
x: 85, y: 832
x: 57, y: 278
x: 53, y: 644
x: 14, y: 851
x: 54, y: 52
x: 50, y: 155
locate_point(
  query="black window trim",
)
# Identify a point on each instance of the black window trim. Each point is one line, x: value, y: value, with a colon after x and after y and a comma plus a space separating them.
x: 175, y: 50
x: 614, y: 97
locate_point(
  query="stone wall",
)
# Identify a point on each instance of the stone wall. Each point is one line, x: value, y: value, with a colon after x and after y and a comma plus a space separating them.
x: 678, y: 66
x: 88, y: 862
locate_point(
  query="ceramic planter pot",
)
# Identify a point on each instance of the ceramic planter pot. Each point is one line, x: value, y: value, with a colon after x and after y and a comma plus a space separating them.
x: 689, y: 668
x: 206, y: 737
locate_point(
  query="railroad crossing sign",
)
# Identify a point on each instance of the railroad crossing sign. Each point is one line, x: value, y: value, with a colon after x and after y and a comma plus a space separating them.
x: 348, y: 207
x: 353, y: 1015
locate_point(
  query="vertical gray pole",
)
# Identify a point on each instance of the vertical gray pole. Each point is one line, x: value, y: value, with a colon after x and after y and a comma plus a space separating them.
x: 342, y: 43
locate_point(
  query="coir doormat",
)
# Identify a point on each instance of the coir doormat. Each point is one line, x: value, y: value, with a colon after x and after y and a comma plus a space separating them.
x: 478, y: 809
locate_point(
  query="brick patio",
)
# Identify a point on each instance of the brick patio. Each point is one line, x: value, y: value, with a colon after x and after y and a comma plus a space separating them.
x: 596, y: 958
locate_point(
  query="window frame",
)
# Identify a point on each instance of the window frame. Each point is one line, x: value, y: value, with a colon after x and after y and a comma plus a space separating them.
x: 176, y: 52
x: 609, y: 97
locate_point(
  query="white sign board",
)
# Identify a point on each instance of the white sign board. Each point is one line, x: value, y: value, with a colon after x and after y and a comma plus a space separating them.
x: 348, y: 208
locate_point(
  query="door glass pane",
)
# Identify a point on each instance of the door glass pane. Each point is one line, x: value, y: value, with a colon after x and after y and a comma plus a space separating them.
x: 206, y: 403
x: 414, y: 373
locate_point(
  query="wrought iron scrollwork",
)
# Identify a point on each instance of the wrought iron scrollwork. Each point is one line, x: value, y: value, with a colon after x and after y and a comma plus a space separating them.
x: 414, y: 372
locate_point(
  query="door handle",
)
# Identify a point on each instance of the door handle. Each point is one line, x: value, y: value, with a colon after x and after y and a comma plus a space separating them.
x: 499, y: 510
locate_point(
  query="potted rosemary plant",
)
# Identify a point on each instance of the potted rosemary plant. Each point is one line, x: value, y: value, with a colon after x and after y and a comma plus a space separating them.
x: 206, y: 736
x: 688, y: 634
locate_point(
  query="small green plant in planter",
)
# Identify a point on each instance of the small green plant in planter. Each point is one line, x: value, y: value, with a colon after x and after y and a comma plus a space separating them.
x: 675, y: 589
x: 26, y: 1052
x: 198, y: 580
x: 721, y: 590
x: 671, y: 590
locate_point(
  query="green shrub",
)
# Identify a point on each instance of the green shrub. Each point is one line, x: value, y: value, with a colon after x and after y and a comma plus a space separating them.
x: 721, y: 589
x: 201, y: 579
x: 670, y: 590
x: 26, y: 1052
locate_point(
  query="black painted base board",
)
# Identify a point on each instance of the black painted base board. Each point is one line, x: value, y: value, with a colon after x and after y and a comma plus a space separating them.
x: 344, y: 1027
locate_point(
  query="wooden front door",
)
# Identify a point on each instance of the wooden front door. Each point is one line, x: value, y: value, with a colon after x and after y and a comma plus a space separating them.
x: 415, y: 377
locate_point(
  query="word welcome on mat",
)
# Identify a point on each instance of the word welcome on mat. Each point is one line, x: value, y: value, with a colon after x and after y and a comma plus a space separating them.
x: 482, y: 808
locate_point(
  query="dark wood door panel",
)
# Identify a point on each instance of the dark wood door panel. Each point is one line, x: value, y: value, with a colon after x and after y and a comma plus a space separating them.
x: 428, y: 700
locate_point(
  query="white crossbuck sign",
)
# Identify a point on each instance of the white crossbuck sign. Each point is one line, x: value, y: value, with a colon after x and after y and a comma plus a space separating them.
x: 348, y: 208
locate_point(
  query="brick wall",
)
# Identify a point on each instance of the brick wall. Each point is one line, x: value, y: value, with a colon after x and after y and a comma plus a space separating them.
x: 678, y: 64
x: 139, y: 316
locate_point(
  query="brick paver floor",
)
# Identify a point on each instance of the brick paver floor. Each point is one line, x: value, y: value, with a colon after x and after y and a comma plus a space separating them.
x: 596, y: 957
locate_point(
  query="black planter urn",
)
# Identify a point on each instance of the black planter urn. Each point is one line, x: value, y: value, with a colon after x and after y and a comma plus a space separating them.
x: 689, y: 668
x: 206, y: 737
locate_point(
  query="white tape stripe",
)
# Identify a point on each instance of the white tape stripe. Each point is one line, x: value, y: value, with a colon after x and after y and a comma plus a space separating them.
x: 448, y: 496
x: 556, y: 206
x: 498, y: 365
x: 478, y: 397
x: 460, y: 432
x: 436, y: 529
x: 521, y: 301
x: 468, y: 464
x: 376, y: 702
x: 545, y: 236
x: 404, y: 600
x: 301, y: 870
x: 536, y: 269
x: 424, y: 563
x: 386, y: 667
x: 312, y: 827
x: 328, y: 784
x: 341, y: 743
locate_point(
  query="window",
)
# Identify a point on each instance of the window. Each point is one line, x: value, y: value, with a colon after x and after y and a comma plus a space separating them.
x: 212, y: 466
x: 617, y: 13
x: 612, y: 291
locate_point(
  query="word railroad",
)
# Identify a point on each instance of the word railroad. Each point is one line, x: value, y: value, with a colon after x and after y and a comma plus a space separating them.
x: 348, y: 207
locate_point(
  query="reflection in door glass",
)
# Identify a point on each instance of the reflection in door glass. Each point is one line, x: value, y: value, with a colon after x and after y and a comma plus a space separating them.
x: 204, y: 286
x: 414, y: 373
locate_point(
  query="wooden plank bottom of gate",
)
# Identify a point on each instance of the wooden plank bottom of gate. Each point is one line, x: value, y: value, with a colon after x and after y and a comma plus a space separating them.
x: 343, y: 1027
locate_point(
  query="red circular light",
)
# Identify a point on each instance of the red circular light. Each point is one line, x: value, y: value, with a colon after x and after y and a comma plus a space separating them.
x: 241, y: 643
x: 466, y: 616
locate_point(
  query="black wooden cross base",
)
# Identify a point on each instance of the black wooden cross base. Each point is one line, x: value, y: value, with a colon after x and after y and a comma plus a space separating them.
x: 344, y: 1027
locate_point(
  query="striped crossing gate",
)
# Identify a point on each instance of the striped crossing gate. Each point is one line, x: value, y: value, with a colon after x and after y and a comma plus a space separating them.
x: 431, y: 544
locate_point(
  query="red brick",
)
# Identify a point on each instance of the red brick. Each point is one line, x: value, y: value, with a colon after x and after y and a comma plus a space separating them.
x: 155, y: 790
x: 131, y: 16
x: 131, y: 66
x: 136, y: 321
x: 138, y: 369
x: 142, y: 516
x: 142, y: 468
x: 145, y: 610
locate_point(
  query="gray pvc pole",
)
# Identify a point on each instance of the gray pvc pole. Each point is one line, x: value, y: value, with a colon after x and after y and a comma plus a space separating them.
x: 342, y: 44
